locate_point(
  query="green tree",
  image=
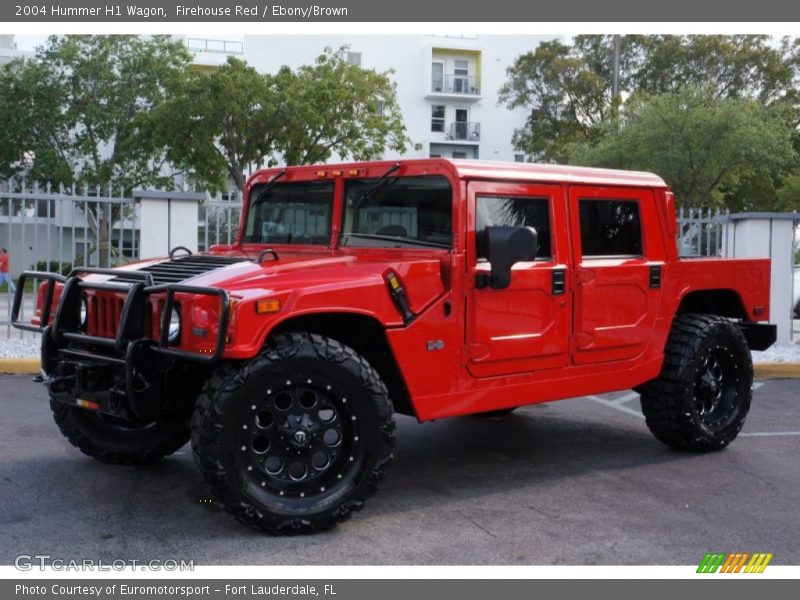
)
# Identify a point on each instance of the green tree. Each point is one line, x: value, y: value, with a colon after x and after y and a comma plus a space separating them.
x: 339, y: 108
x: 567, y: 88
x: 568, y: 101
x: 703, y: 145
x: 229, y: 121
x: 221, y: 124
x: 731, y: 66
x: 79, y: 113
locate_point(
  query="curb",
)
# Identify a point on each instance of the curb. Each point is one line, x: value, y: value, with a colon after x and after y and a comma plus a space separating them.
x: 777, y: 371
x: 20, y: 366
x: 31, y: 366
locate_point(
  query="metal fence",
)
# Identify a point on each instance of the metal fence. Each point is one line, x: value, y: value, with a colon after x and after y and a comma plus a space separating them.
x: 56, y: 229
x: 700, y: 231
x: 218, y: 220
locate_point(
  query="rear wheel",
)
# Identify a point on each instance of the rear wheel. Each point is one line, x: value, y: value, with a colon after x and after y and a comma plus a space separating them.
x: 296, y: 439
x: 701, y: 399
x: 116, y: 441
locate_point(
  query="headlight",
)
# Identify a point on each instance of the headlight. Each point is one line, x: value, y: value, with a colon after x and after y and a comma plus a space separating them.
x: 84, y: 311
x: 174, y: 330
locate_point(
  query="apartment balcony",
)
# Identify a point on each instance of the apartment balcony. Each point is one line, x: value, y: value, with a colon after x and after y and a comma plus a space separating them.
x: 209, y: 55
x: 465, y: 87
x: 462, y: 131
x: 216, y: 46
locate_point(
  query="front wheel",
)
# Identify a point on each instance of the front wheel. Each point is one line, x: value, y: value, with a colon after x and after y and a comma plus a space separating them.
x: 701, y: 399
x: 296, y: 439
x: 115, y: 441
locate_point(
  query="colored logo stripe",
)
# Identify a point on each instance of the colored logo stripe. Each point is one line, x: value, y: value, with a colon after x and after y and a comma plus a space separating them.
x: 758, y: 563
x: 733, y: 563
x: 711, y: 562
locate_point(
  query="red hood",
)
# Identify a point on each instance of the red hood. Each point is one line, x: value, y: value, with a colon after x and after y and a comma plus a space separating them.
x: 310, y: 272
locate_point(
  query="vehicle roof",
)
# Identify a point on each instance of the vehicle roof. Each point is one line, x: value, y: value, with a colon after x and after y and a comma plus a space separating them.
x: 480, y: 169
x: 510, y: 171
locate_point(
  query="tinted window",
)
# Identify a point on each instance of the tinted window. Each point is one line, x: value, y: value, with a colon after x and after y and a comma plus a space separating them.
x: 407, y: 212
x: 610, y: 228
x: 291, y: 213
x: 492, y: 211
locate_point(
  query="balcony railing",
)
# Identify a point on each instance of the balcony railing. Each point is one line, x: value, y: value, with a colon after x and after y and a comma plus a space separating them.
x: 461, y: 130
x: 220, y: 46
x: 456, y: 84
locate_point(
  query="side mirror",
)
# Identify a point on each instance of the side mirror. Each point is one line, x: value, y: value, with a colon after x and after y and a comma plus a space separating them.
x: 506, y: 246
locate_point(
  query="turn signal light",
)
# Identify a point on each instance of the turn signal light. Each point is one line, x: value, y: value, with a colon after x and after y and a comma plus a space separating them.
x: 267, y: 306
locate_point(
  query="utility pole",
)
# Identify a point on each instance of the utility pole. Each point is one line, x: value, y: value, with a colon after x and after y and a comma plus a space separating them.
x: 615, y: 74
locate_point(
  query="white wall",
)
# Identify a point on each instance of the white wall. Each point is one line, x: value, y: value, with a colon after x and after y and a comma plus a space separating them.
x: 410, y: 57
x: 166, y: 224
x: 765, y: 236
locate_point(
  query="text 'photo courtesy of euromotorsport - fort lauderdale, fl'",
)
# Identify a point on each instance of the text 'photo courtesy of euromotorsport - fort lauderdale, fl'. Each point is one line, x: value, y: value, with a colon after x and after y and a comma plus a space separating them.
x: 168, y: 590
x: 300, y: 315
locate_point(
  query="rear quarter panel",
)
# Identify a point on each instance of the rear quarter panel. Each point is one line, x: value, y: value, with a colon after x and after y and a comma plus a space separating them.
x: 749, y: 278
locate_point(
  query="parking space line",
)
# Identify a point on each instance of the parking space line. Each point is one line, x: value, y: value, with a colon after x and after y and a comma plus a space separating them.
x: 626, y: 398
x: 613, y: 404
x: 770, y: 433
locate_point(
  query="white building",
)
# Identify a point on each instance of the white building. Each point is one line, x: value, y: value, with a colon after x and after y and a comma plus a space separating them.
x: 9, y: 50
x: 446, y: 85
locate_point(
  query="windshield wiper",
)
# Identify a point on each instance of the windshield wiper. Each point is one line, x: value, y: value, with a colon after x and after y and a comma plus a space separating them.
x: 382, y: 181
x: 270, y: 185
x: 391, y: 238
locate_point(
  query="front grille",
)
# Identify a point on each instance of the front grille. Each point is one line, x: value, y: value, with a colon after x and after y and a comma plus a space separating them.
x: 185, y: 267
x: 104, y: 315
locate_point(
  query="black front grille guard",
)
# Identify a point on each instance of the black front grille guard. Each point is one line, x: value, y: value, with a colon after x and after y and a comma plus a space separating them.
x: 66, y: 324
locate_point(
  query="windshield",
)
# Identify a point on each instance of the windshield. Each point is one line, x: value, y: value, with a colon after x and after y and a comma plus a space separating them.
x: 290, y: 213
x: 407, y: 212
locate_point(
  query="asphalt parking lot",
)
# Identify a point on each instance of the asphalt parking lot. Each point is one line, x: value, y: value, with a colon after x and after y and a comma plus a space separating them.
x: 573, y: 482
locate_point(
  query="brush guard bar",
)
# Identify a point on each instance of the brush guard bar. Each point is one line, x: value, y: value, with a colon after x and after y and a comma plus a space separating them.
x: 138, y: 286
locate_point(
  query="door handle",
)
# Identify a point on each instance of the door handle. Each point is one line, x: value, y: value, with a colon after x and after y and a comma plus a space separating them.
x: 655, y: 277
x: 559, y: 282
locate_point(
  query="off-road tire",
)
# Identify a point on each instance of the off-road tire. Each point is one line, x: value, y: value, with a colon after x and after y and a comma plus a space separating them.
x: 111, y: 441
x: 681, y: 406
x: 227, y: 426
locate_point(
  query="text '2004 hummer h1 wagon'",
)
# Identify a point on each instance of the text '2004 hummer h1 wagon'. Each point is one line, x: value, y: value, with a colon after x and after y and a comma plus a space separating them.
x: 427, y: 287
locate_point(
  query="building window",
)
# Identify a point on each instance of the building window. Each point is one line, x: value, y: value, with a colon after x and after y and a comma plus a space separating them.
x: 437, y: 76
x: 610, y: 228
x: 457, y: 154
x: 354, y: 59
x: 435, y: 155
x: 519, y: 158
x: 379, y: 106
x: 461, y: 76
x: 437, y: 117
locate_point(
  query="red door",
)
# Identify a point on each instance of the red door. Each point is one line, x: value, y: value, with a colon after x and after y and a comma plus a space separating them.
x: 619, y: 259
x: 526, y: 326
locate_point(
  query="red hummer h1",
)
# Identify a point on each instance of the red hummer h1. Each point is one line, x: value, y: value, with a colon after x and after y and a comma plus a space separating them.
x: 425, y: 287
